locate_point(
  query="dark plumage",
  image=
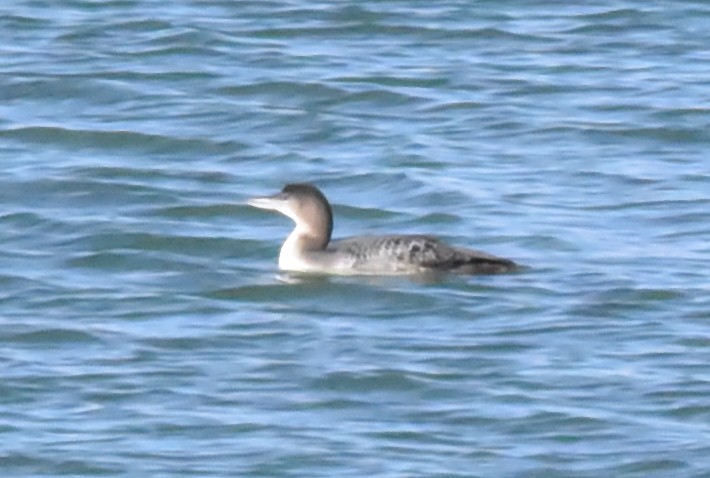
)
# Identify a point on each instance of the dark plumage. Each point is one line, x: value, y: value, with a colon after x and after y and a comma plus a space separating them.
x: 422, y: 252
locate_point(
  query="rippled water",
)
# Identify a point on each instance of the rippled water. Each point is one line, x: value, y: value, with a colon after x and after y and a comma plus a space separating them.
x: 146, y: 332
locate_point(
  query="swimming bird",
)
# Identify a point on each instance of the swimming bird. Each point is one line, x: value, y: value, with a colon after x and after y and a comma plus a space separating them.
x: 309, y: 249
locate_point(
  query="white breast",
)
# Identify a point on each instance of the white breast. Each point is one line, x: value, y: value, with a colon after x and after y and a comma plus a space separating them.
x: 291, y: 257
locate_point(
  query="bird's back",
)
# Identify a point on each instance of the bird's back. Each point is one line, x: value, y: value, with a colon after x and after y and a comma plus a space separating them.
x: 414, y: 253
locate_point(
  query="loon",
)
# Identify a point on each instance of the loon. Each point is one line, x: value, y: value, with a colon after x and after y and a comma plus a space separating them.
x: 309, y: 248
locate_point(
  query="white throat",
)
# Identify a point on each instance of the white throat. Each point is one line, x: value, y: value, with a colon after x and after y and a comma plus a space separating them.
x: 290, y: 257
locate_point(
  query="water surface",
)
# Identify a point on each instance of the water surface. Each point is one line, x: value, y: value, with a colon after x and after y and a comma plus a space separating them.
x: 147, y: 331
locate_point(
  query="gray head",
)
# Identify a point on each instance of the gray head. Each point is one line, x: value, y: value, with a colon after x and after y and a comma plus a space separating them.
x: 307, y: 206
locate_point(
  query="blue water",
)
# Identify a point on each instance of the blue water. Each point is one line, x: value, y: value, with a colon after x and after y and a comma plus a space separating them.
x: 146, y: 331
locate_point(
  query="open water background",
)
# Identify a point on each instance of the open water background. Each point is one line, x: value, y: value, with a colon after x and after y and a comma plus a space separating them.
x: 144, y: 330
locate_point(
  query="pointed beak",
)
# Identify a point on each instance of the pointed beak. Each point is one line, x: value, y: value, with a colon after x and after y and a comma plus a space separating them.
x: 275, y: 202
